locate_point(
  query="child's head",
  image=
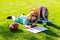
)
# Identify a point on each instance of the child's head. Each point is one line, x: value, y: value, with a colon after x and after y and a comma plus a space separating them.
x: 34, y: 9
x: 33, y: 15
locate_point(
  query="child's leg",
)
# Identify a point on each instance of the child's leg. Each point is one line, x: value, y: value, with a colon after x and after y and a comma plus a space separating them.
x: 20, y: 19
x: 13, y: 18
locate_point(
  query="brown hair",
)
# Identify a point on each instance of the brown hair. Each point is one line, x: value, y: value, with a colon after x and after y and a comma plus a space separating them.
x: 33, y: 13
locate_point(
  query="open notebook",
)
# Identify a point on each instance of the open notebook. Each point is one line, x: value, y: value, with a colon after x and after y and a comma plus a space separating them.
x: 37, y: 29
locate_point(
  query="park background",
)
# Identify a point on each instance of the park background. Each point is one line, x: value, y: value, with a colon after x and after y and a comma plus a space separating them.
x: 17, y: 7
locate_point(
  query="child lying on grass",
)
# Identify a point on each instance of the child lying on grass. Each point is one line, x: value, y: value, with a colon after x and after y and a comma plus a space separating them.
x: 29, y: 21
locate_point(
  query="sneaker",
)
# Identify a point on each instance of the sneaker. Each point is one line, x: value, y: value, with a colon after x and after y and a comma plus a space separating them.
x: 9, y: 17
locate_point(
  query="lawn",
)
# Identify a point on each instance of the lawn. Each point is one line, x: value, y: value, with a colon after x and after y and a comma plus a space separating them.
x: 17, y: 7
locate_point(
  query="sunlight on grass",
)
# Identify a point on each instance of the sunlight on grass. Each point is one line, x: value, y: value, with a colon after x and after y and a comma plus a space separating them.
x: 17, y: 7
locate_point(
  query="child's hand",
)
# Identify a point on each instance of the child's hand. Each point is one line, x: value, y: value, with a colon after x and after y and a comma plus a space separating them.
x: 28, y: 26
x: 33, y: 24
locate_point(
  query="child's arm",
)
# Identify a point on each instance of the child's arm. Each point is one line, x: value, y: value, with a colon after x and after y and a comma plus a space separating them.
x: 28, y: 26
x: 43, y: 14
x: 33, y: 24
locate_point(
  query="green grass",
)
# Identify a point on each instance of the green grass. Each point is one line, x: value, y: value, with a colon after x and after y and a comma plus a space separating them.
x: 16, y: 7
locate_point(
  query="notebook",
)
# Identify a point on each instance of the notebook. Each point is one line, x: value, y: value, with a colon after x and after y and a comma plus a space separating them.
x: 37, y: 29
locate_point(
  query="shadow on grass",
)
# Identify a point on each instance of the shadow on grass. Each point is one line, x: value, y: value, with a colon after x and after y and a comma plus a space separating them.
x: 16, y: 31
x: 5, y: 28
x: 53, y: 25
x: 48, y: 38
x: 8, y: 34
x: 48, y: 32
x: 33, y: 38
x: 30, y: 38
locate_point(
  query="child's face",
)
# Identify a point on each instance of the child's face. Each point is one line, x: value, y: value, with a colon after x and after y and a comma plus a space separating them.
x: 34, y: 17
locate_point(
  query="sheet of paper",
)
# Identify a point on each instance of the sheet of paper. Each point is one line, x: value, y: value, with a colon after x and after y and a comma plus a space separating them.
x: 37, y: 29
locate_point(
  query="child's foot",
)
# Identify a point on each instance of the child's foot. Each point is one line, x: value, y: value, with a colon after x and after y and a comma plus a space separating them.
x: 9, y: 17
x: 22, y: 14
